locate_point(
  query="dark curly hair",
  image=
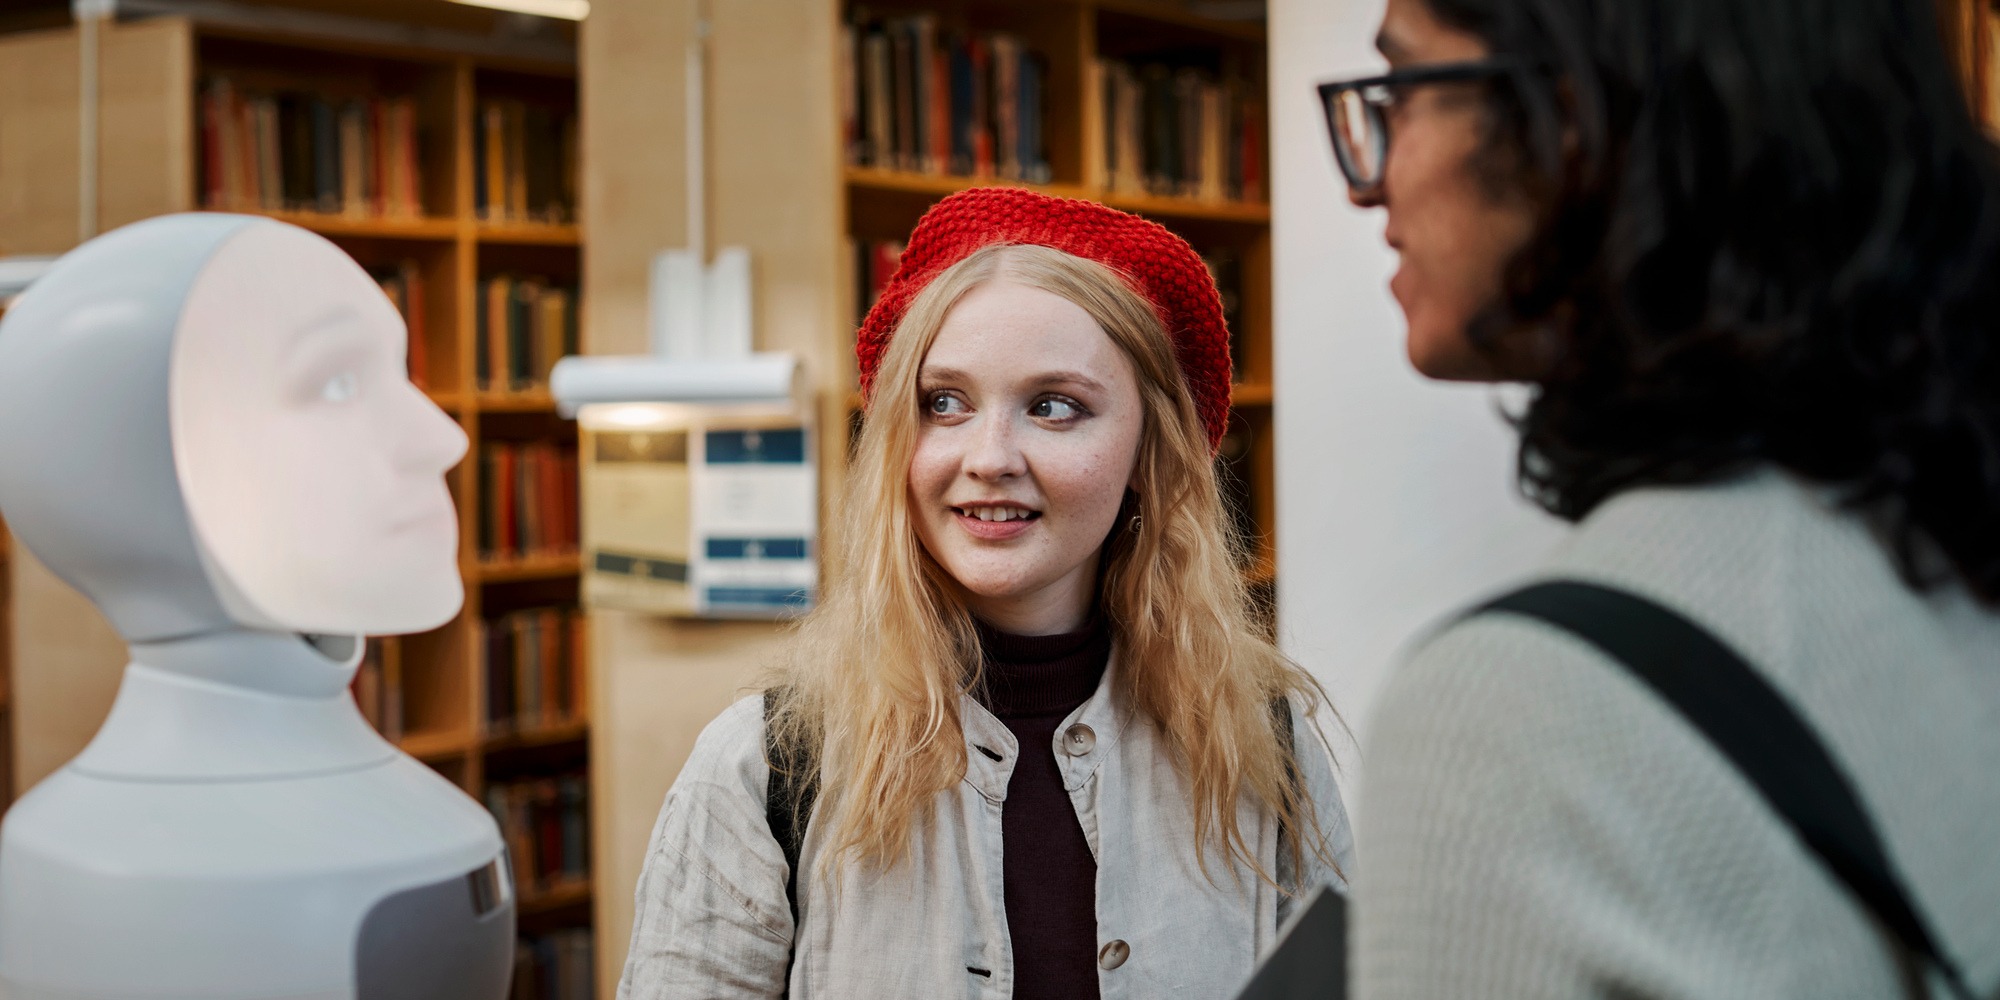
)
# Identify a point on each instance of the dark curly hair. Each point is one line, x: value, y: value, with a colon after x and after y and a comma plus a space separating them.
x: 1769, y: 234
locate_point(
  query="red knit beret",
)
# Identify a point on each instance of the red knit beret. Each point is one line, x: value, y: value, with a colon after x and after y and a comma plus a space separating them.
x: 1161, y: 265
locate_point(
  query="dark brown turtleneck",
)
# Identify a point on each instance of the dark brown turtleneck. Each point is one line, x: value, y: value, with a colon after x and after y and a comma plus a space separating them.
x: 1032, y: 683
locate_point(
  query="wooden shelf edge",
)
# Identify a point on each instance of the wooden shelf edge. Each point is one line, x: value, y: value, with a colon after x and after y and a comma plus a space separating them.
x: 435, y: 745
x: 425, y: 228
x: 877, y: 179
x: 529, y: 568
x: 1153, y: 10
x: 555, y: 897
x: 526, y: 401
x: 1255, y: 213
x: 939, y: 185
x: 563, y: 732
x: 529, y: 234
x: 1251, y: 394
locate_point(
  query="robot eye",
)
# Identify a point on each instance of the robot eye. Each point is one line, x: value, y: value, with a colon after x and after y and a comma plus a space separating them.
x: 340, y: 388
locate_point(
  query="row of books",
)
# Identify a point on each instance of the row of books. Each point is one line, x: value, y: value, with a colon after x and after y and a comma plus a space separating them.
x: 404, y: 285
x: 522, y: 326
x: 554, y: 966
x: 534, y: 668
x: 918, y: 98
x: 545, y: 823
x: 299, y: 152
x: 1179, y: 133
x: 380, y: 700
x: 527, y: 500
x: 526, y: 163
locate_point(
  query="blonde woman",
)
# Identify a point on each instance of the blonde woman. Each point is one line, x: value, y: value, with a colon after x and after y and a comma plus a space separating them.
x: 1031, y: 743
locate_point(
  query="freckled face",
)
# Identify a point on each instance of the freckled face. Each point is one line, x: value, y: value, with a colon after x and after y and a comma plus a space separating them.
x: 1031, y: 423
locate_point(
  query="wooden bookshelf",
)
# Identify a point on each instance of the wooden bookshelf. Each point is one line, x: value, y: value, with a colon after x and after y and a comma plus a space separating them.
x: 1077, y: 42
x: 158, y: 138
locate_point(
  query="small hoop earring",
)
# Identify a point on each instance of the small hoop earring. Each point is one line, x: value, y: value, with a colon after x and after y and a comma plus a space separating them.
x: 1133, y: 524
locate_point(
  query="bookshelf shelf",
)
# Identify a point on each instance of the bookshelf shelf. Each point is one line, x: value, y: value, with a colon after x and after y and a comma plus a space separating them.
x: 1245, y: 212
x: 434, y: 746
x: 408, y: 157
x: 363, y: 227
x: 527, y: 568
x: 571, y: 892
x: 933, y: 186
x: 1154, y: 10
x: 566, y: 732
x: 1251, y: 394
x: 528, y: 401
x: 530, y: 234
x: 939, y: 185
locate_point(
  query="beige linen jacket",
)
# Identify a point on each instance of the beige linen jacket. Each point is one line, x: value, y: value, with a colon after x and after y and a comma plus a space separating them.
x: 712, y: 920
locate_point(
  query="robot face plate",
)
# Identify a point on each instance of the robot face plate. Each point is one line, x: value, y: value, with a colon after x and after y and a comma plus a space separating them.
x: 311, y: 468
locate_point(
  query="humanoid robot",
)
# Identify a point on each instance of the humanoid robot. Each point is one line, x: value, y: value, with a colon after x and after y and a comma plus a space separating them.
x: 206, y: 428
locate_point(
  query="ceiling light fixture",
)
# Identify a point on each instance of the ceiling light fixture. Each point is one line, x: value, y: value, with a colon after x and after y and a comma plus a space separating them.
x: 568, y: 10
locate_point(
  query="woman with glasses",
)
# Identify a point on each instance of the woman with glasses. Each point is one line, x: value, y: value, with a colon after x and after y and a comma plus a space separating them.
x: 1747, y: 254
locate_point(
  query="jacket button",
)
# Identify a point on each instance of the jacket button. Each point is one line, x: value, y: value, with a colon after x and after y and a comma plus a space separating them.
x: 1113, y: 955
x: 1079, y: 740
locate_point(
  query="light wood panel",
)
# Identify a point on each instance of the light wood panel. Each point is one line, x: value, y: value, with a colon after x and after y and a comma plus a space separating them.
x: 67, y: 663
x: 38, y: 142
x: 775, y: 187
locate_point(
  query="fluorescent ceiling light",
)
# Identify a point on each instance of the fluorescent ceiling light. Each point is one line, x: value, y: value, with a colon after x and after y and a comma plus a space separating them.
x: 568, y: 10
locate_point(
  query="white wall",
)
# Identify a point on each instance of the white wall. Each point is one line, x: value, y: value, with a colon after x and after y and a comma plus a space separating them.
x: 1395, y: 495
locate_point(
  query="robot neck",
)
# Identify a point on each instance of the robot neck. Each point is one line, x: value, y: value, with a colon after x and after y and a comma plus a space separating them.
x: 235, y: 705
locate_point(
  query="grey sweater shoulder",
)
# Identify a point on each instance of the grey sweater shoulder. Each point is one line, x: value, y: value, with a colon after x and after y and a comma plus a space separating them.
x: 1536, y: 824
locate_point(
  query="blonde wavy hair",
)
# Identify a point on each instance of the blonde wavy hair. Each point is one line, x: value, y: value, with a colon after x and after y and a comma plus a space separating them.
x: 876, y: 672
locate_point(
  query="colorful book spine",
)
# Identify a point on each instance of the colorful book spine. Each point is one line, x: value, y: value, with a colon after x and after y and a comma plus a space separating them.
x: 404, y: 286
x: 917, y: 97
x: 522, y: 327
x: 527, y: 500
x: 546, y: 825
x: 555, y: 966
x: 525, y: 166
x: 533, y: 665
x: 302, y: 152
x: 1182, y: 133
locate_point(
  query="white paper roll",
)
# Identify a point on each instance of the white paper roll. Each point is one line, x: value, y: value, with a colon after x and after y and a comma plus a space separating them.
x: 759, y: 378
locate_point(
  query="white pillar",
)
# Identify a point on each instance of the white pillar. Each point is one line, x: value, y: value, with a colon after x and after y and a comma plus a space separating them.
x: 1396, y: 501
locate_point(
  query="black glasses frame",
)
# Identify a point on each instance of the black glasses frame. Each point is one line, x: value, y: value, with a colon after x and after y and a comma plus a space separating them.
x: 1377, y: 93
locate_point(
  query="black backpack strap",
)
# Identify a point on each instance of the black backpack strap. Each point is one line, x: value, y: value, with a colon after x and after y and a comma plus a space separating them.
x: 789, y: 792
x: 1754, y: 726
x: 1281, y: 726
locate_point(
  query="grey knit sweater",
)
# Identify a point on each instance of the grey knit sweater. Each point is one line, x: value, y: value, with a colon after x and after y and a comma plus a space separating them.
x: 1537, y: 824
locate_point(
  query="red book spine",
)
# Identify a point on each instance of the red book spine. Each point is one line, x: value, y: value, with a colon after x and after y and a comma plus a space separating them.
x: 413, y: 294
x: 503, y: 500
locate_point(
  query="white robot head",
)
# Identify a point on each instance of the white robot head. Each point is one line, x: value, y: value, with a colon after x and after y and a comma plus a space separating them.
x: 205, y: 424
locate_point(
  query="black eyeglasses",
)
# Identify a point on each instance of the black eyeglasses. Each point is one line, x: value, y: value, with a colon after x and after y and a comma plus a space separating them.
x: 1357, y: 118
